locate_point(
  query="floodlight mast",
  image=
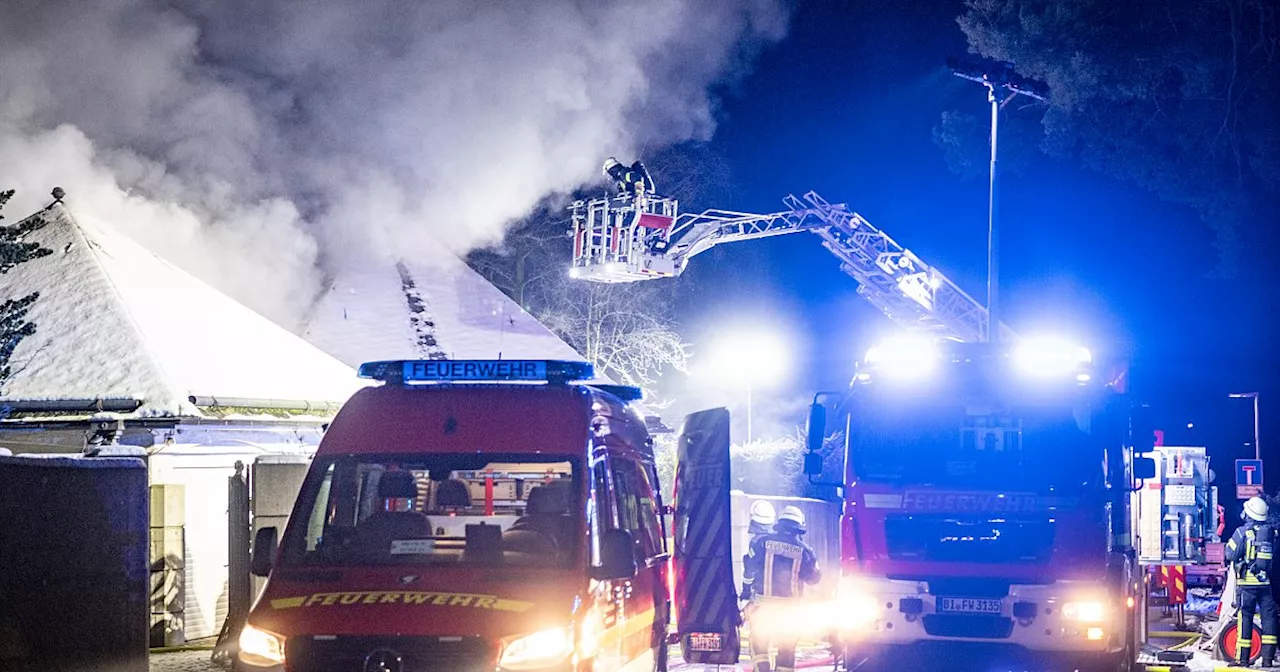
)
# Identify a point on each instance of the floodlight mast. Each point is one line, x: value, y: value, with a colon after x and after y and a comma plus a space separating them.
x: 1003, y: 85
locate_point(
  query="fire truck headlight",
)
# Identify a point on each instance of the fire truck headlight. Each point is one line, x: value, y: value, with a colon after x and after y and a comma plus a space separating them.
x: 1052, y: 358
x: 905, y: 357
x: 1085, y: 612
x: 259, y: 648
x: 538, y: 650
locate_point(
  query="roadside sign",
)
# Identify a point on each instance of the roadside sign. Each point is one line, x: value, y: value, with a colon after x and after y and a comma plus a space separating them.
x: 1248, y: 478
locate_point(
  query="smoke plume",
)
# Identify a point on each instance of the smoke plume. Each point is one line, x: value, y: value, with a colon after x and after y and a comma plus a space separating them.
x: 263, y: 144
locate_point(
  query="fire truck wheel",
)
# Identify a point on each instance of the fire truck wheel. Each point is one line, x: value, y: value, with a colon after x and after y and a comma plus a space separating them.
x: 1125, y: 661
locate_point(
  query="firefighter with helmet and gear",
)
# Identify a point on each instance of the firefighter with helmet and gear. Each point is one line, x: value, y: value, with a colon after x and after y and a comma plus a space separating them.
x: 1249, y: 552
x: 763, y: 517
x: 633, y: 180
x: 777, y: 567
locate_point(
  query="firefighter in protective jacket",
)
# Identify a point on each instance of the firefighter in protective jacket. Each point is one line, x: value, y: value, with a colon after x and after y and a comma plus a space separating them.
x: 777, y: 567
x: 1249, y: 552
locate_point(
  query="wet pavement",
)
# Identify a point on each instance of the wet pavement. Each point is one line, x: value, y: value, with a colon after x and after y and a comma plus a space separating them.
x: 184, y: 661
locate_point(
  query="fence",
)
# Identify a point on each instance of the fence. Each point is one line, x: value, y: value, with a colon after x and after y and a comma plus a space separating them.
x: 75, y: 575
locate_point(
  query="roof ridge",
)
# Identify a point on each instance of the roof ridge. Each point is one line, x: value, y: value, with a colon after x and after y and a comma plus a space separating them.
x: 95, y: 249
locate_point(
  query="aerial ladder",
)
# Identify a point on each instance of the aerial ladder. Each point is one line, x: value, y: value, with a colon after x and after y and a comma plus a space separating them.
x: 640, y: 235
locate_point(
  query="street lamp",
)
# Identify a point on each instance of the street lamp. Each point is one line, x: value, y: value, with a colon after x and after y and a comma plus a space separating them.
x: 749, y: 359
x: 1257, y: 450
x: 1003, y: 84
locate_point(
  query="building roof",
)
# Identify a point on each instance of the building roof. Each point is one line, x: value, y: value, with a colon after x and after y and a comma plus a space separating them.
x: 431, y: 306
x: 116, y: 322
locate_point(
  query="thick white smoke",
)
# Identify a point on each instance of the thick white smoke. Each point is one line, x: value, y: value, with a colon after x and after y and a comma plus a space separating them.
x: 256, y: 143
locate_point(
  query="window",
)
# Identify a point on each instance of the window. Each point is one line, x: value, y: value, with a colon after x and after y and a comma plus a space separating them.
x: 637, y: 504
x: 439, y: 509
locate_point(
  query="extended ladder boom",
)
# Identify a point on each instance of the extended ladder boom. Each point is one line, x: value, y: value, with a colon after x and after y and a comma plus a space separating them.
x: 631, y: 238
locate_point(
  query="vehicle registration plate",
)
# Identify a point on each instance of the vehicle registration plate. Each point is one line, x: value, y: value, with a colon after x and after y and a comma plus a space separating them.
x: 968, y: 605
x: 705, y: 641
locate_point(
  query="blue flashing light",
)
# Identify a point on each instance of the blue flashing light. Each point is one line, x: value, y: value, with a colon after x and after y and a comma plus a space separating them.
x: 476, y: 371
x: 623, y: 392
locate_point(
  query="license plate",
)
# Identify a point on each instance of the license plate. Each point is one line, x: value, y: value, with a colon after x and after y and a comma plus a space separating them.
x: 968, y: 605
x: 707, y: 642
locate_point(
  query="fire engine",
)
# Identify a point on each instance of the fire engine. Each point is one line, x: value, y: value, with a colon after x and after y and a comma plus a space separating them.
x: 986, y: 477
x: 986, y: 491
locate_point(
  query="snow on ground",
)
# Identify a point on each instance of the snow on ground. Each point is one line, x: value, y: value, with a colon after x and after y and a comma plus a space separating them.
x: 116, y: 321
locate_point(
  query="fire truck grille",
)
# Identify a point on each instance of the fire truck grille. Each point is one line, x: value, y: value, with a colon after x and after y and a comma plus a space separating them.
x: 968, y: 539
x: 977, y: 627
x: 399, y: 654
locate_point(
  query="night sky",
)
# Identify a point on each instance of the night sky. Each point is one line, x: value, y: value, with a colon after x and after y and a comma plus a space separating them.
x: 846, y: 106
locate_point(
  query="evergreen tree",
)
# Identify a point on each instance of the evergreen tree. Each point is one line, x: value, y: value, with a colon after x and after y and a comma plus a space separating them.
x: 14, y: 250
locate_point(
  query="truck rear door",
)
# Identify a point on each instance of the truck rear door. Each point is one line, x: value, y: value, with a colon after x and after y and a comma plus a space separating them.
x: 706, y: 599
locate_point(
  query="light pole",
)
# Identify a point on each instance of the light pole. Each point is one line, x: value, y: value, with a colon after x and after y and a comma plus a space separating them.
x: 1003, y: 84
x: 1257, y: 449
x: 748, y: 358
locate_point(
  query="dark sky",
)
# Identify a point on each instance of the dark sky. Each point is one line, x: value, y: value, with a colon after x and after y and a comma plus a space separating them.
x: 846, y: 106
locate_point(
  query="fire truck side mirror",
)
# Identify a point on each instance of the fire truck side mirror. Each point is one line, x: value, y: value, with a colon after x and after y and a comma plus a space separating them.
x: 617, y: 556
x: 264, y: 550
x: 815, y: 433
x: 813, y: 464
x: 1144, y: 468
x: 1143, y: 430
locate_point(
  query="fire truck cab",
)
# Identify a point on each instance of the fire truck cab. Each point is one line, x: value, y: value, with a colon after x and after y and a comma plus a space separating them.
x: 986, y: 490
x: 470, y: 515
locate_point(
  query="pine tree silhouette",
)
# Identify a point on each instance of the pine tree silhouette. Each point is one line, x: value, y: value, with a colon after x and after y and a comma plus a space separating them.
x: 14, y: 250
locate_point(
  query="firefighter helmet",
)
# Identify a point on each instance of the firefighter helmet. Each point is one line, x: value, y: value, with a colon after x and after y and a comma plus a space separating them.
x: 762, y: 513
x: 794, y: 517
x: 1256, y: 509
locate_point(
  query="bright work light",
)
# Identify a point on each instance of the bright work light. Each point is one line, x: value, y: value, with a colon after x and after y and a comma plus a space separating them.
x: 1052, y: 358
x: 903, y: 357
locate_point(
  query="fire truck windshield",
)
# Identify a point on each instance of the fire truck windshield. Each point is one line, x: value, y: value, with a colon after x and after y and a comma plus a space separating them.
x: 950, y: 445
x: 438, y: 509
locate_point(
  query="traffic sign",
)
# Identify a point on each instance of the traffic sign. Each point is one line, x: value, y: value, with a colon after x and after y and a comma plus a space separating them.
x: 1248, y: 478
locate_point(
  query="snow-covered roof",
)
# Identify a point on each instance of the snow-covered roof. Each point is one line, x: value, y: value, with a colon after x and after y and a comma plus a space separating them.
x: 431, y: 306
x: 115, y: 321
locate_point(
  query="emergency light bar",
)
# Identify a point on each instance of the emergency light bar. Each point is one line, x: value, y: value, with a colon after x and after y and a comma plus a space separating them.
x: 477, y: 371
x: 917, y: 357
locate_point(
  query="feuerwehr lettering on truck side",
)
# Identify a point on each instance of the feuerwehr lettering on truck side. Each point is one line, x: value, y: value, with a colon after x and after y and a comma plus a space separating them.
x: 367, y: 597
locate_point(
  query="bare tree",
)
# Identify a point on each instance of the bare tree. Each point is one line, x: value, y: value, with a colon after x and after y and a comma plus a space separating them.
x: 627, y: 331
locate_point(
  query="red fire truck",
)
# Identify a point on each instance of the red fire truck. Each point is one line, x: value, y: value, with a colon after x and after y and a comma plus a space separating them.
x: 986, y: 491
x: 470, y: 515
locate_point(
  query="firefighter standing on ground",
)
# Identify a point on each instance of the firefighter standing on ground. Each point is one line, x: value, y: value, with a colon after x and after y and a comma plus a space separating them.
x: 763, y: 517
x: 775, y: 571
x: 1249, y: 552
